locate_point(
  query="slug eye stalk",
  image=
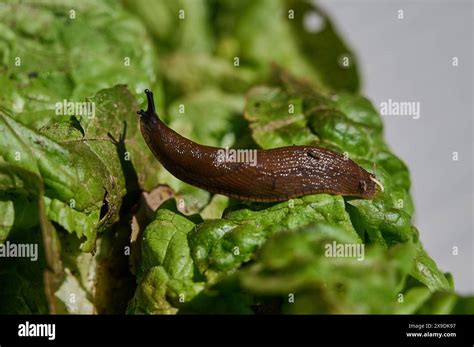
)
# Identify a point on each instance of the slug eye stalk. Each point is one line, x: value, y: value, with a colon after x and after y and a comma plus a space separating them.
x: 378, y: 183
x: 151, y: 111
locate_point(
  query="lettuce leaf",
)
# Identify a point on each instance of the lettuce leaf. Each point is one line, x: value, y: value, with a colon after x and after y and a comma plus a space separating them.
x: 166, y: 275
x: 180, y: 254
x: 56, y: 50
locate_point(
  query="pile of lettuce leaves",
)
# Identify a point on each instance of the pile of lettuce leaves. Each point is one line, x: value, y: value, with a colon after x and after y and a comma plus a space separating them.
x: 118, y: 234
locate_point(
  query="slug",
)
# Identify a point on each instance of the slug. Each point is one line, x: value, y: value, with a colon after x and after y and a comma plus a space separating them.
x: 275, y: 175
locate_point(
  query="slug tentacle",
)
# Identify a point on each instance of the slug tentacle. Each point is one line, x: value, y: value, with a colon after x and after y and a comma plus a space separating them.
x: 275, y: 174
x: 150, y: 114
x: 151, y: 103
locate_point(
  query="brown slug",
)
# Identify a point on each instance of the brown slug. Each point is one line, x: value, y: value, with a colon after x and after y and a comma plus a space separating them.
x: 275, y: 175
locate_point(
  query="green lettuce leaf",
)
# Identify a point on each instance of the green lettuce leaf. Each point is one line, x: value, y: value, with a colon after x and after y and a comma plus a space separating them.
x: 23, y: 288
x: 220, y: 246
x: 166, y: 276
x: 75, y: 178
x: 308, y: 281
x: 61, y: 50
x: 293, y: 273
x: 29, y: 280
x: 186, y: 73
x: 176, y: 24
x: 178, y: 254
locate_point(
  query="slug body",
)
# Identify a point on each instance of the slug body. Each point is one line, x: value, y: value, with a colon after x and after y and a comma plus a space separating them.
x: 276, y: 174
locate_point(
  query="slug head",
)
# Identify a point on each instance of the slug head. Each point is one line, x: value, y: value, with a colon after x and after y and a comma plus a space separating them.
x: 369, y: 185
x: 148, y: 116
